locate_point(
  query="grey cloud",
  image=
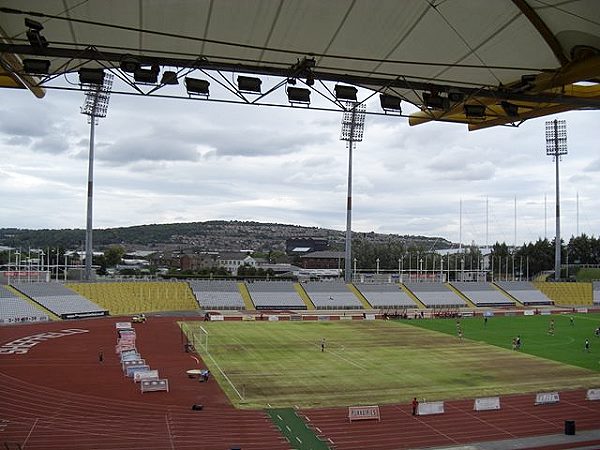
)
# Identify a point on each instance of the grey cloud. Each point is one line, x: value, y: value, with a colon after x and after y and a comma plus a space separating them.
x: 594, y: 166
x: 18, y: 122
x: 16, y: 141
x: 132, y: 149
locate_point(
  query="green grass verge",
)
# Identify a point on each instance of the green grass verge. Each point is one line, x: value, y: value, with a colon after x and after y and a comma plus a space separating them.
x: 588, y: 274
x: 280, y: 364
x: 565, y: 346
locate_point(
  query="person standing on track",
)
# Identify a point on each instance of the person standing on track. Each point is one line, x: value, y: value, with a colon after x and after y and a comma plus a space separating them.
x: 415, y: 406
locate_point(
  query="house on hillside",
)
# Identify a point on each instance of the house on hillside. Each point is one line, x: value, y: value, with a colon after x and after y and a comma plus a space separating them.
x: 233, y: 260
x: 198, y: 261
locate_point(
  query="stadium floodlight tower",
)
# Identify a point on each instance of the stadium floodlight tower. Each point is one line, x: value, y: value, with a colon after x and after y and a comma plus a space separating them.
x: 353, y: 125
x: 95, y: 107
x: 556, y: 146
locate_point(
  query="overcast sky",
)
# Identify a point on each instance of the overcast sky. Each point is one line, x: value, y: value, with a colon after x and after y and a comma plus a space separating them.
x: 165, y: 160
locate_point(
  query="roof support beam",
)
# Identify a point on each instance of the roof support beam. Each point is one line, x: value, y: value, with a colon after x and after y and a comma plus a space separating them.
x: 113, y: 59
x: 543, y: 30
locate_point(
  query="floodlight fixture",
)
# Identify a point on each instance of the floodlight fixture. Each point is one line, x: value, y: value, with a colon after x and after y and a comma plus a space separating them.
x: 353, y: 124
x: 196, y: 86
x: 390, y: 103
x: 36, y: 40
x: 556, y: 138
x: 129, y: 64
x: 36, y: 66
x: 91, y: 76
x: 433, y: 100
x: 510, y: 109
x: 298, y: 95
x: 33, y: 24
x: 95, y: 107
x: 145, y: 76
x: 556, y: 146
x: 249, y: 84
x: 455, y: 96
x: 343, y: 92
x: 474, y: 111
x: 169, y: 77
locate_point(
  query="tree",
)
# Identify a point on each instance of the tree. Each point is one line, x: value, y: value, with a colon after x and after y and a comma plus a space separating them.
x: 113, y: 255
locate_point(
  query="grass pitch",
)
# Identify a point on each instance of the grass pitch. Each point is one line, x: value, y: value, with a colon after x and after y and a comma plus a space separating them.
x: 280, y: 364
x: 565, y: 344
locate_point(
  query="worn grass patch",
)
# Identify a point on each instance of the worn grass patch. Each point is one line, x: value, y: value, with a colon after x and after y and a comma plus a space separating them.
x: 280, y: 364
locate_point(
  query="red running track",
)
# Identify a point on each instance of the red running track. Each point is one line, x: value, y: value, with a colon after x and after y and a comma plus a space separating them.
x: 398, y: 428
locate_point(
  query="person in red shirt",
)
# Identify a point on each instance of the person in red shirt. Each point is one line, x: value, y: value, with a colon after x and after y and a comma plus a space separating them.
x: 415, y: 405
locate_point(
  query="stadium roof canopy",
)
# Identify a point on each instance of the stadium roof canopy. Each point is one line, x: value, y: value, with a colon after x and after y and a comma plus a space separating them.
x: 481, y: 62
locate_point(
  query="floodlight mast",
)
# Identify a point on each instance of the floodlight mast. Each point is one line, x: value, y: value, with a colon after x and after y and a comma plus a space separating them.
x: 95, y: 107
x: 556, y: 146
x: 353, y: 125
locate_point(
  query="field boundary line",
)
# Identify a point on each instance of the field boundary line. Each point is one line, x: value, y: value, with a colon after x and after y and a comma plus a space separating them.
x: 225, y: 376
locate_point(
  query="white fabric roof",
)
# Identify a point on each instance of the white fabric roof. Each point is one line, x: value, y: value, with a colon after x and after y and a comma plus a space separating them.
x: 464, y: 43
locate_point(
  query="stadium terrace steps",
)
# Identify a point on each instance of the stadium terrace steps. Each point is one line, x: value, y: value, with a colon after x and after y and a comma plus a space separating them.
x: 596, y: 292
x: 246, y: 296
x: 411, y: 294
x: 62, y: 301
x: 139, y: 296
x: 217, y: 294
x: 386, y: 296
x: 435, y: 295
x: 524, y: 292
x: 16, y: 308
x: 304, y: 296
x: 360, y: 296
x: 567, y: 293
x: 331, y: 295
x: 483, y: 294
x: 275, y: 295
x: 467, y: 300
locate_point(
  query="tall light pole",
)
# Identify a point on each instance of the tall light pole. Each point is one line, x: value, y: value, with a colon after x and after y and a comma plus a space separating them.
x: 556, y: 146
x: 95, y: 107
x: 353, y: 125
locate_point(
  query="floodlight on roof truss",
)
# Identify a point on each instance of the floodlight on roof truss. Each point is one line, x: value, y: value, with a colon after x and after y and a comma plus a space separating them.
x: 298, y: 95
x: 343, y: 92
x: 146, y: 76
x: 91, y: 76
x: 36, y: 66
x: 249, y: 84
x: 129, y: 64
x: 35, y: 39
x: 474, y: 111
x: 196, y: 86
x: 390, y: 103
x: 169, y: 77
x: 433, y: 100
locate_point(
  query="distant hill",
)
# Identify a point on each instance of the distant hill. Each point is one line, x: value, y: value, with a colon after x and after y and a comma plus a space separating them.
x: 203, y: 236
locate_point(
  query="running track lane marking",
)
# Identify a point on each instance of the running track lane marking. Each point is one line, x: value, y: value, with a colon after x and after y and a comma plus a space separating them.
x: 429, y: 426
x: 30, y: 431
x: 169, y: 431
x: 476, y: 417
